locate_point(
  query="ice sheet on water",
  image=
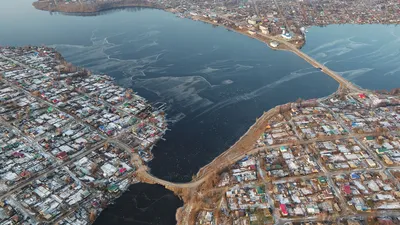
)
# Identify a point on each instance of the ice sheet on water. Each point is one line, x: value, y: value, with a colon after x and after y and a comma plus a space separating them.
x: 184, y: 92
x: 353, y: 74
x: 260, y: 91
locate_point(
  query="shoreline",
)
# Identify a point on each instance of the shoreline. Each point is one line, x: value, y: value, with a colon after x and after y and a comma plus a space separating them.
x: 91, y: 9
x: 265, y: 38
x: 228, y: 157
x: 201, y: 178
x: 125, y: 4
x: 105, y: 141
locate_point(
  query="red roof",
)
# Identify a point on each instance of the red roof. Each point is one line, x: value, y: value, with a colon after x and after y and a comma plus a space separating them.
x: 62, y: 155
x: 283, y: 209
x: 362, y: 96
x: 18, y: 154
x: 25, y: 173
x: 346, y: 189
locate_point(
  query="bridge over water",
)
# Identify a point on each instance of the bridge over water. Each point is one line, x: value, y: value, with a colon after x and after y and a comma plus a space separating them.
x: 245, y: 144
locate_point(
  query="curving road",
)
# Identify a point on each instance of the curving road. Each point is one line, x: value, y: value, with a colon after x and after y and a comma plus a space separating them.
x: 231, y: 157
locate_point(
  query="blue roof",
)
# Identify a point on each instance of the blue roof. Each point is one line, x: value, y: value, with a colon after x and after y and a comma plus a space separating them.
x: 244, y: 159
x: 355, y: 176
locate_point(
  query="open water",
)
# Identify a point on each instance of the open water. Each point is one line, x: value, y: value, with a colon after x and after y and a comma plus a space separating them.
x: 368, y: 55
x: 214, y: 83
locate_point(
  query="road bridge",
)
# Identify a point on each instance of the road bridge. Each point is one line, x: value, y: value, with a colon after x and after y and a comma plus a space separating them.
x: 292, y: 48
x: 342, y: 81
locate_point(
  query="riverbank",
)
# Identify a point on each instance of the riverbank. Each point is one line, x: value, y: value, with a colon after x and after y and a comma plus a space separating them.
x: 206, y: 181
x: 90, y: 8
x: 287, y: 46
x: 96, y: 145
x: 282, y: 44
x: 267, y: 39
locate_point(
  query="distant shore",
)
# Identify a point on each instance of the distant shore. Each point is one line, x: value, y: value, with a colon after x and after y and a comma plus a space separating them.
x: 92, y: 8
x: 97, y: 8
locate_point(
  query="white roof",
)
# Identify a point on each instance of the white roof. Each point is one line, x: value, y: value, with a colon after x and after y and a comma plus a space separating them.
x: 11, y: 176
x: 42, y: 192
x: 80, y: 140
x: 108, y: 170
x: 69, y: 132
x: 81, y: 161
x: 65, y: 148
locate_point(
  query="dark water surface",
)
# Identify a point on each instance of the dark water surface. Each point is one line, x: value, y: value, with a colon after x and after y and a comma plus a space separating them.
x: 143, y: 204
x: 368, y: 55
x: 214, y: 82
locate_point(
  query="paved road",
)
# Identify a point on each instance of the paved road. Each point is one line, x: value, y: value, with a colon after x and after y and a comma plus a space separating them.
x: 342, y: 81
